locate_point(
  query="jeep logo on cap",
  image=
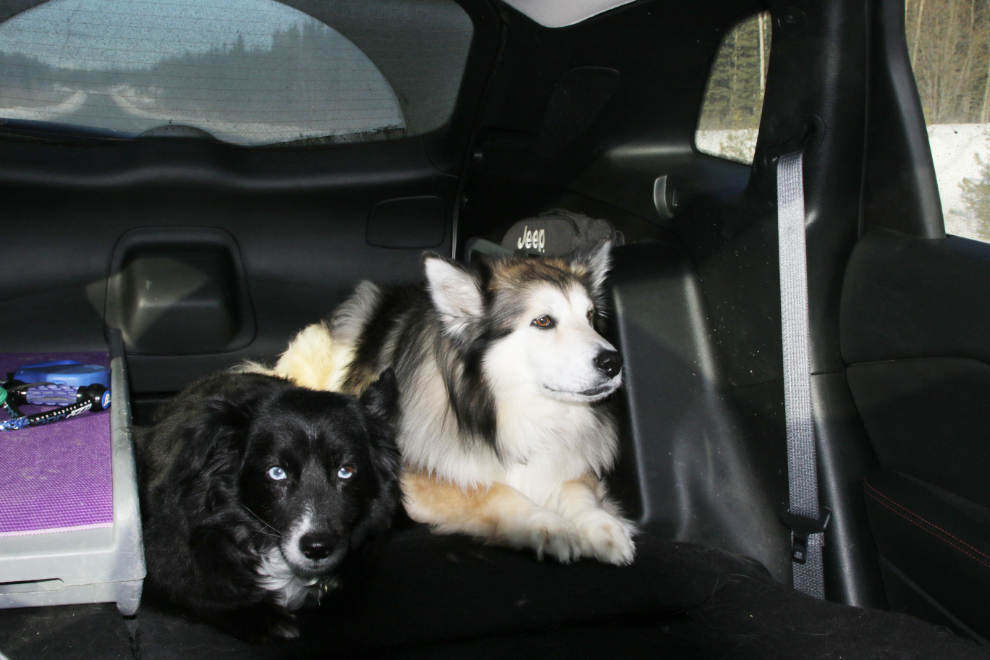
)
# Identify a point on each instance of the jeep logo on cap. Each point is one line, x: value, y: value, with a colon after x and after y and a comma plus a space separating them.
x: 535, y: 239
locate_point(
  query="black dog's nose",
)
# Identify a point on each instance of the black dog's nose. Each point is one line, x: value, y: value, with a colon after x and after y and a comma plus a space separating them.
x: 609, y: 363
x: 317, y: 546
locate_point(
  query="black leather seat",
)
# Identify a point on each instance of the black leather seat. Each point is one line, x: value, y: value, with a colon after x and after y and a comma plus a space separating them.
x: 937, y: 538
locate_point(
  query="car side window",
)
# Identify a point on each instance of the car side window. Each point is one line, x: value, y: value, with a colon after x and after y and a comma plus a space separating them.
x: 730, y: 113
x: 948, y: 46
x: 249, y: 72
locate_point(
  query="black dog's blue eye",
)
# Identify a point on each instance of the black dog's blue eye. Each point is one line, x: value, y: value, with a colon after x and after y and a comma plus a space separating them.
x: 276, y: 473
x: 345, y: 472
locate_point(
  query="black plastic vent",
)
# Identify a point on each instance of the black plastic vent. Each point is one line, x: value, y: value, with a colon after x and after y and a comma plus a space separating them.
x: 577, y: 99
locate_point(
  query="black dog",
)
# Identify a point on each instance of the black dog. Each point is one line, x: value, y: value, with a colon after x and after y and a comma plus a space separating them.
x: 254, y: 490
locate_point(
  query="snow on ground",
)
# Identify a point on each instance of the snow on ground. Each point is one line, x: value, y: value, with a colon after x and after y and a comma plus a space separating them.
x: 954, y: 150
x: 738, y: 145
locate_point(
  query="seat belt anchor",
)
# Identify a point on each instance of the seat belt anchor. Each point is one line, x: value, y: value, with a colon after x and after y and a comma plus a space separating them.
x: 801, y: 528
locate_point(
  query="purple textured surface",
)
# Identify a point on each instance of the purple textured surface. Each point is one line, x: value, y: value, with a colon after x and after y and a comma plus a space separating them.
x: 56, y: 477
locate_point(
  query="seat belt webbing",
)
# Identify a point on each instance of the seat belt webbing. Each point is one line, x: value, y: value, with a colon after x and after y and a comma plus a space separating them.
x: 803, y: 516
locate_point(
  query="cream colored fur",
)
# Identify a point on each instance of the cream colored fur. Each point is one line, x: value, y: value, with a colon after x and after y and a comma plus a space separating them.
x: 577, y: 521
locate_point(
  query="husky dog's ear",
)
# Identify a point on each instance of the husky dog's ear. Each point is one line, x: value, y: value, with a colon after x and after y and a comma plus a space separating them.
x: 598, y: 261
x: 455, y: 293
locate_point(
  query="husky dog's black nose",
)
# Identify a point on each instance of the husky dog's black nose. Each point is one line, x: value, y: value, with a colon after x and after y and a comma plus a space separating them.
x: 316, y: 546
x: 609, y: 363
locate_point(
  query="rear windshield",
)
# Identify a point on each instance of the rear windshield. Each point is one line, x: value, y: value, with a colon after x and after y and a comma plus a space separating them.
x: 250, y: 72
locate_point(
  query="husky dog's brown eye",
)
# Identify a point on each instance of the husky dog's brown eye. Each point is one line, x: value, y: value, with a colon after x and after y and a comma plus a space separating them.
x: 544, y: 322
x: 346, y: 472
x: 591, y: 313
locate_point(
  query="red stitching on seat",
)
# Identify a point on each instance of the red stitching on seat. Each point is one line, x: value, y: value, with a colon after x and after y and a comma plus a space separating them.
x: 901, y: 506
x: 916, y: 523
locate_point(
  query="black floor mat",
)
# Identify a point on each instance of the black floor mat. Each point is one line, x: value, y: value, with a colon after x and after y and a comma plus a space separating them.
x: 65, y: 633
x: 424, y: 596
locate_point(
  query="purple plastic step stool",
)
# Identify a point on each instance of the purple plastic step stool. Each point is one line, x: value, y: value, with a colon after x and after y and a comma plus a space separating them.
x: 70, y: 528
x: 57, y: 477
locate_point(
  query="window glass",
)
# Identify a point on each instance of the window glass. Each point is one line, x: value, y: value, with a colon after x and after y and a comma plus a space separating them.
x: 251, y: 72
x: 730, y: 112
x: 949, y: 46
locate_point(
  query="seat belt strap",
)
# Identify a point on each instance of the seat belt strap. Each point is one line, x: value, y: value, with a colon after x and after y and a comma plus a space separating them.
x: 803, y: 516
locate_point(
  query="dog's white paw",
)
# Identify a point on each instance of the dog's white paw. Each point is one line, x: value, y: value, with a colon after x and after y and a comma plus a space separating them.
x: 263, y: 623
x: 550, y: 534
x: 281, y: 631
x: 607, y: 538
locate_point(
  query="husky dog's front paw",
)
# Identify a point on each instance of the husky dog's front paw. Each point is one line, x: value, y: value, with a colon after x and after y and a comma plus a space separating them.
x: 607, y: 538
x: 556, y: 536
x: 550, y: 534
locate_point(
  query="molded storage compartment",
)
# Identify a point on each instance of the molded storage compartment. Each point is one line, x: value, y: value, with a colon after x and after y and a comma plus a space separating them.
x: 179, y: 291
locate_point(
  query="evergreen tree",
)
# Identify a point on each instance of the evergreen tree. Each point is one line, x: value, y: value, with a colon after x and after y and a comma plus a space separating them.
x: 734, y: 97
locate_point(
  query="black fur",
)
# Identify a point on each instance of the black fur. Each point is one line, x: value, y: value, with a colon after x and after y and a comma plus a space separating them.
x: 210, y: 509
x: 394, y: 302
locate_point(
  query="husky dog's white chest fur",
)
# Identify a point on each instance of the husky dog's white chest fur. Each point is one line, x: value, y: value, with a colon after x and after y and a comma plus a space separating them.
x: 551, y: 442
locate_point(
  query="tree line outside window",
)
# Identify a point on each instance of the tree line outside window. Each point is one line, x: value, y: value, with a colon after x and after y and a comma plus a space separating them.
x: 730, y: 113
x: 949, y: 46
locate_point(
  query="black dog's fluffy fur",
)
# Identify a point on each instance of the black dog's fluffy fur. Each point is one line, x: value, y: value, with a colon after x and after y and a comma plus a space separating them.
x: 214, y: 516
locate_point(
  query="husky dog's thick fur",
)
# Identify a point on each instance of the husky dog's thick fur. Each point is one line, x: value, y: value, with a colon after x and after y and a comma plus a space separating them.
x: 504, y: 429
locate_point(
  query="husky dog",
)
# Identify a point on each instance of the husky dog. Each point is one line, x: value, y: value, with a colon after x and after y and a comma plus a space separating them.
x: 503, y: 428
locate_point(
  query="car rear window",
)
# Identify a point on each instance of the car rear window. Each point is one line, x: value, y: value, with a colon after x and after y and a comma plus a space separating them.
x: 249, y: 72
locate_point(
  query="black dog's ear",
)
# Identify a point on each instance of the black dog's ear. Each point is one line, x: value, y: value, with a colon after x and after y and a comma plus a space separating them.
x: 381, y: 403
x: 214, y: 443
x: 381, y: 399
